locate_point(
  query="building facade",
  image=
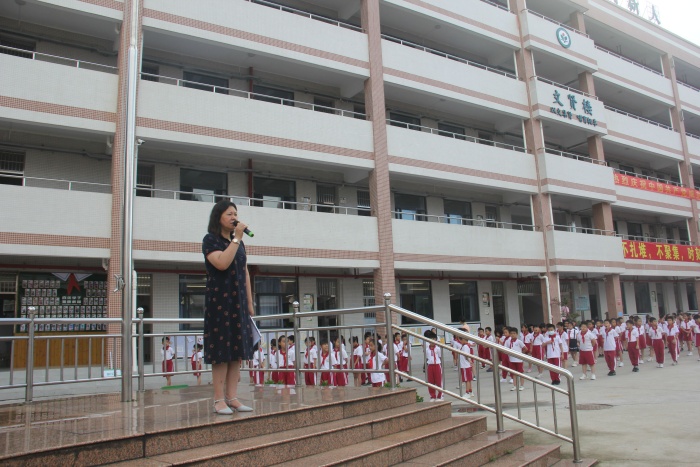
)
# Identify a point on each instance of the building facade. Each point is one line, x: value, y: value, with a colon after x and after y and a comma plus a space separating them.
x: 482, y: 161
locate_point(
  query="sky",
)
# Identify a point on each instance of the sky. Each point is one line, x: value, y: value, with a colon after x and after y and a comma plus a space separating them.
x: 678, y: 16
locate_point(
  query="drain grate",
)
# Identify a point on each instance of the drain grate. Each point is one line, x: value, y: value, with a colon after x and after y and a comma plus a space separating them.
x: 592, y: 406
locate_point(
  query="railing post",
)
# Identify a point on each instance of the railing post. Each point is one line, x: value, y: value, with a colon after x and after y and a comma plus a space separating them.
x: 29, y: 390
x: 140, y: 369
x: 389, y: 340
x: 295, y: 312
x: 497, y: 391
x: 574, y: 421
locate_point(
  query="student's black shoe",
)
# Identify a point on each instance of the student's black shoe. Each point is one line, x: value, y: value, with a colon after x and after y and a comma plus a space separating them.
x: 490, y: 370
x: 556, y: 383
x: 612, y: 373
x: 400, y: 380
x: 635, y: 369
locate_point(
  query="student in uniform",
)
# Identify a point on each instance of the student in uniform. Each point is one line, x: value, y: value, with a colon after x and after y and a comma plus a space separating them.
x: 433, y: 355
x: 564, y: 345
x: 357, y: 358
x: 554, y: 348
x: 310, y: 358
x: 657, y: 335
x: 642, y: 341
x: 538, y: 346
x: 196, y: 362
x: 487, y: 351
x: 686, y: 333
x: 610, y: 346
x: 586, y: 339
x: 465, y: 368
x: 325, y: 364
x: 572, y: 334
x: 339, y: 360
x: 257, y: 377
x: 696, y: 333
x: 404, y: 356
x: 516, y: 364
x: 398, y: 351
x: 286, y: 359
x: 504, y: 340
x: 633, y: 344
x: 600, y: 339
x: 650, y: 342
x: 672, y: 335
x: 168, y: 353
x: 375, y: 360
x: 274, y: 362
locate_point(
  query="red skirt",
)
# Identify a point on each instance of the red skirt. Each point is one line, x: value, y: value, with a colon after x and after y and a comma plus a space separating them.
x: 167, y: 366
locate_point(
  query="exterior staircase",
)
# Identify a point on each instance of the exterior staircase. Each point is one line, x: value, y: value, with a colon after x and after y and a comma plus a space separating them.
x: 383, y: 427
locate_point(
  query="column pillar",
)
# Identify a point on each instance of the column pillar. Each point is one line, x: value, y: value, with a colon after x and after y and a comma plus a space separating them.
x: 379, y: 184
x: 685, y: 168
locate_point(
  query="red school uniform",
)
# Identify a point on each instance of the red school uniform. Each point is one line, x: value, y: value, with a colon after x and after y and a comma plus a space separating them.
x: 325, y: 365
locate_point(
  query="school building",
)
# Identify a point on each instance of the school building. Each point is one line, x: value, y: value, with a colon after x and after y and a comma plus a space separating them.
x: 482, y: 161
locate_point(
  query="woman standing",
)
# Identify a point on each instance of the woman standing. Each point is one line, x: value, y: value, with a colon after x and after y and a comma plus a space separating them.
x: 228, y: 306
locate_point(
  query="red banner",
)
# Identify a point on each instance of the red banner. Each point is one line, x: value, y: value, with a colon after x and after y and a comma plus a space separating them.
x: 660, y: 251
x: 657, y: 187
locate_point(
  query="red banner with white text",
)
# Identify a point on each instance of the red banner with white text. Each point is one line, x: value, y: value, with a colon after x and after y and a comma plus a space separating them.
x: 660, y: 251
x: 656, y: 187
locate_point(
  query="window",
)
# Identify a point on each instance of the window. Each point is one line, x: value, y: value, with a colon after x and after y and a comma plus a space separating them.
x: 492, y: 217
x: 670, y: 238
x: 416, y: 297
x: 627, y: 168
x: 11, y: 168
x: 485, y: 138
x: 192, y: 288
x: 205, y: 82
x: 560, y: 220
x: 458, y: 212
x: 368, y: 299
x: 273, y: 193
x: 360, y: 112
x: 325, y: 198
x: 498, y: 302
x: 692, y: 297
x: 149, y: 72
x: 410, y: 207
x: 464, y: 305
x: 683, y: 236
x: 521, y: 222
x: 642, y: 297
x: 324, y: 105
x: 273, y: 296
x: 327, y: 299
x: 586, y: 225
x: 14, y: 43
x: 144, y: 181
x: 272, y: 95
x: 363, y: 203
x: 404, y: 121
x: 203, y: 186
x: 453, y: 131
x: 143, y: 300
x: 634, y: 231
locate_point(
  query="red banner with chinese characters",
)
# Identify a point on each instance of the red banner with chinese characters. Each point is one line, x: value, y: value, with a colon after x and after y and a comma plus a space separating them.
x: 657, y: 187
x: 660, y: 251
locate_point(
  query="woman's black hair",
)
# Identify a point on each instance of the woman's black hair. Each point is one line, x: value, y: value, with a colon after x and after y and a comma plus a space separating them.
x: 215, y: 217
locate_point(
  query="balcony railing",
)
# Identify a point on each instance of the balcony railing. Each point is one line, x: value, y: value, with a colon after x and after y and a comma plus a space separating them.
x: 609, y: 52
x: 448, y: 134
x: 646, y: 238
x: 565, y: 26
x: 568, y: 88
x: 306, y: 14
x: 497, y: 5
x: 582, y: 230
x: 452, y: 220
x: 647, y: 177
x: 687, y: 85
x: 255, y: 96
x: 60, y: 184
x: 637, y: 117
x: 692, y: 135
x: 57, y: 59
x: 578, y: 157
x: 440, y: 53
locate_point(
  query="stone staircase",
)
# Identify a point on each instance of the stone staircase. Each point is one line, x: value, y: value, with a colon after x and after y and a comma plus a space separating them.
x: 382, y: 427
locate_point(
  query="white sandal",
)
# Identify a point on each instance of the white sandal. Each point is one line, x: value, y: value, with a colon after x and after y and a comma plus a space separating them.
x: 225, y: 411
x: 241, y: 408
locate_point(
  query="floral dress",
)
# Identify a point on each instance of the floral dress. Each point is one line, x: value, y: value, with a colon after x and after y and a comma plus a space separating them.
x: 227, y: 323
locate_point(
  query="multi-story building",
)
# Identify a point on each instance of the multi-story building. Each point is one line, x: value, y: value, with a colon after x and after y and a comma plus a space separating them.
x: 483, y: 161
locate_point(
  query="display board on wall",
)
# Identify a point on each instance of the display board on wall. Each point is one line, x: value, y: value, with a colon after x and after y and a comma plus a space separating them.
x: 63, y: 295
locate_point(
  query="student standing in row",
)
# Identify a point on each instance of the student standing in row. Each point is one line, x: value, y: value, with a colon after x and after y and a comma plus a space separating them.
x: 554, y: 349
x: 586, y: 340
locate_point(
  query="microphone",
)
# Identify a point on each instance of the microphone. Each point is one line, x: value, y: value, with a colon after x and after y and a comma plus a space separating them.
x: 247, y: 231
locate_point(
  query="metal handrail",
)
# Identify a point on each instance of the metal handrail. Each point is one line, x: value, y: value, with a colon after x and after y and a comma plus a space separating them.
x: 568, y: 88
x: 565, y: 26
x: 648, y: 177
x: 692, y: 135
x: 77, y: 63
x: 687, y: 85
x: 646, y: 238
x: 637, y: 117
x: 449, y: 134
x: 323, y: 19
x: 495, y: 350
x: 70, y: 183
x: 465, y: 221
x: 582, y: 230
x: 497, y: 5
x: 578, y: 157
x: 610, y: 52
x: 440, y: 53
x: 252, y: 95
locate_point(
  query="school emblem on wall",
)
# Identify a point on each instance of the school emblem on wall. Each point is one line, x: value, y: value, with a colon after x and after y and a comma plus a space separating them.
x: 564, y: 38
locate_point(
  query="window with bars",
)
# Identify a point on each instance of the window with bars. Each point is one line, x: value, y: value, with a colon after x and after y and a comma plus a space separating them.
x: 325, y: 198
x: 144, y: 181
x: 8, y: 283
x: 149, y: 72
x: 29, y: 46
x: 368, y: 299
x: 11, y: 167
x: 325, y: 105
x: 143, y: 284
x: 363, y: 203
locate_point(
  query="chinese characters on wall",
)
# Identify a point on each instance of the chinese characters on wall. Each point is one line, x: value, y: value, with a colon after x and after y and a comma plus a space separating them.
x: 632, y: 249
x: 657, y: 187
x: 568, y: 108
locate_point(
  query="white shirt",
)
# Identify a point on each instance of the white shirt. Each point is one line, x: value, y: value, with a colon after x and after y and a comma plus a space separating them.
x: 258, y: 358
x: 609, y: 336
x: 404, y: 349
x: 339, y: 357
x: 324, y: 361
x: 632, y: 334
x: 376, y: 362
x: 398, y: 348
x: 167, y: 353
x: 585, y: 342
x: 516, y: 346
x: 553, y: 345
x: 673, y: 331
x: 358, y: 351
x: 490, y: 338
x: 696, y: 327
x: 540, y: 339
x: 564, y: 340
x: 273, y: 360
x: 656, y: 334
x: 289, y: 356
x: 529, y: 338
x: 311, y: 355
x: 434, y: 356
x: 464, y: 362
